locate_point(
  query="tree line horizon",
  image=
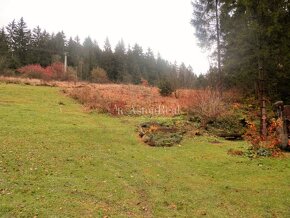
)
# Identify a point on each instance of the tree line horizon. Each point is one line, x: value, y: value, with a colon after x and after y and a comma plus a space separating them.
x: 254, y: 46
x: 22, y: 46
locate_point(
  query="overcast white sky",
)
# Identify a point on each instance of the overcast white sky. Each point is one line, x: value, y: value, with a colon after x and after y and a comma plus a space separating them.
x: 162, y: 25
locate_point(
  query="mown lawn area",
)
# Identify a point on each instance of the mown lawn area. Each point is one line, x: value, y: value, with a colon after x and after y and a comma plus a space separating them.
x: 57, y: 160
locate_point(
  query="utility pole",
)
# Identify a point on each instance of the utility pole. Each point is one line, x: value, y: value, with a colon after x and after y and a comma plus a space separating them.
x: 65, y: 62
x: 80, y: 68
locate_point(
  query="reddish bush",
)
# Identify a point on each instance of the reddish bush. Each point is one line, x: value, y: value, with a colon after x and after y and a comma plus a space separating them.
x: 35, y: 71
x: 271, y: 142
x: 54, y: 71
x: 57, y: 70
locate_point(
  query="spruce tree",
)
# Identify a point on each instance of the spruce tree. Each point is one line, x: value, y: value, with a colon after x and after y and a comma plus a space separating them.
x: 22, y: 40
x: 4, y: 51
x: 107, y: 61
x: 120, y: 62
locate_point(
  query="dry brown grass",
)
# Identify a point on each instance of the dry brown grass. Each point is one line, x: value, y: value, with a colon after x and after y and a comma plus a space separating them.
x: 126, y: 98
x: 116, y: 98
x: 136, y: 99
x: 39, y: 82
x: 18, y: 80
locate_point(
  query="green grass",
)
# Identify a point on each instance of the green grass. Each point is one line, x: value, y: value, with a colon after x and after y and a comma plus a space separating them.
x: 58, y: 161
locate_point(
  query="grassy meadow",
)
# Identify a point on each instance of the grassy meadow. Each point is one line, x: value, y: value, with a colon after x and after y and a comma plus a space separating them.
x: 57, y: 160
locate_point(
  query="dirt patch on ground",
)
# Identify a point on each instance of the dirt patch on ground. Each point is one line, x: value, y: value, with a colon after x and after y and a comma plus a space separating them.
x: 144, y: 204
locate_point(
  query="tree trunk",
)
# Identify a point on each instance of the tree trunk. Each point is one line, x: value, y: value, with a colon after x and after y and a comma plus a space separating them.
x: 220, y: 86
x: 263, y: 115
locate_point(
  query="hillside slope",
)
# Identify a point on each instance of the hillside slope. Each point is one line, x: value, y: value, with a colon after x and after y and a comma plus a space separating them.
x: 57, y: 160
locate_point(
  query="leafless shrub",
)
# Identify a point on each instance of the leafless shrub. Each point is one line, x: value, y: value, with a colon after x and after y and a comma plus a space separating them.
x: 99, y: 75
x: 208, y: 105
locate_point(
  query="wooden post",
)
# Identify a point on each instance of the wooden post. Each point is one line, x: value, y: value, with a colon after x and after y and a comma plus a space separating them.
x: 282, y: 131
x: 65, y: 61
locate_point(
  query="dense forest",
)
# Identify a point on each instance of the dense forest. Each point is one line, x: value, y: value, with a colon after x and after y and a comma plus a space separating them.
x: 21, y: 46
x: 250, y: 43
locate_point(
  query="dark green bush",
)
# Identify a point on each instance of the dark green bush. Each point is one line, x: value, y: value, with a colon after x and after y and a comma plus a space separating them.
x: 165, y: 88
x: 229, y: 126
